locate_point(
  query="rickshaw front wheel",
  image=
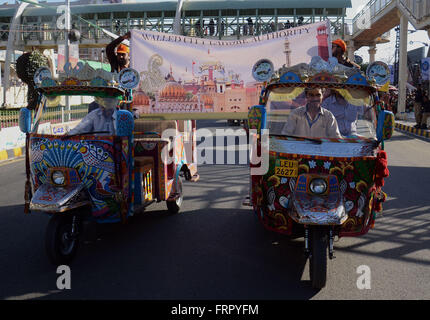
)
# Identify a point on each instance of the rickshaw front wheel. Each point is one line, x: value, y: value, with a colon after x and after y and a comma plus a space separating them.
x: 318, y: 257
x: 61, y: 241
x: 174, y: 206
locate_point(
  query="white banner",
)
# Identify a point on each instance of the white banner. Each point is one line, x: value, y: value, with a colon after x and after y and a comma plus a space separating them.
x: 200, y: 75
x: 11, y: 137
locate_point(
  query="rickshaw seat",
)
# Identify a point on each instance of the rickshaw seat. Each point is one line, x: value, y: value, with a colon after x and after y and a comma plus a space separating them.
x: 143, y: 161
x: 157, y: 126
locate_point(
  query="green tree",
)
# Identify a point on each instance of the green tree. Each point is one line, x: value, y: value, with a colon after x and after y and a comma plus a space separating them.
x: 26, y: 66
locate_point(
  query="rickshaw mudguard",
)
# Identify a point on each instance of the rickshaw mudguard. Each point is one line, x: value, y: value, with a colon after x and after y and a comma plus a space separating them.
x: 52, y: 199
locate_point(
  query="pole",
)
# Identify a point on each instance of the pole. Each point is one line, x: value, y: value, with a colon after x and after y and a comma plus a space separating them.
x: 67, y: 53
x: 403, y: 64
x: 177, y: 22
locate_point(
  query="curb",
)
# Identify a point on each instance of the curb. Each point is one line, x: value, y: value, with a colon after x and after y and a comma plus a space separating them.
x: 12, y: 153
x: 419, y: 132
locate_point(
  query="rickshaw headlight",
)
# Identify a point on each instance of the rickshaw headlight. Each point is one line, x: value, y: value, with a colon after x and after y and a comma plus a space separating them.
x: 58, y: 177
x: 318, y: 186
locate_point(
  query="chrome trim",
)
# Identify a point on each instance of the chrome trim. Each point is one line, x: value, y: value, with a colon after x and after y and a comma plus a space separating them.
x: 332, y: 217
x: 51, y: 198
x: 53, y: 209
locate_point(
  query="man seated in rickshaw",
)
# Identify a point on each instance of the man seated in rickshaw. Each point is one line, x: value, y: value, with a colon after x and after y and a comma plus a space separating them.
x: 101, y: 120
x: 345, y: 113
x: 312, y: 120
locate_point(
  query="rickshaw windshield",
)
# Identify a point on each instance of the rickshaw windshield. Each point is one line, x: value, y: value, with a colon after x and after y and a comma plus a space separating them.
x: 85, y: 116
x: 321, y: 112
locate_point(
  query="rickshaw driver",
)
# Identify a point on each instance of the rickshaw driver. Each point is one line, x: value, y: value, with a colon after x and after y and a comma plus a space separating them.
x: 102, y: 119
x: 312, y: 120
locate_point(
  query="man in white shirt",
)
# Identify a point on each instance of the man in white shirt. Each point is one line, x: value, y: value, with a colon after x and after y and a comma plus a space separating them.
x: 312, y: 120
x: 101, y: 121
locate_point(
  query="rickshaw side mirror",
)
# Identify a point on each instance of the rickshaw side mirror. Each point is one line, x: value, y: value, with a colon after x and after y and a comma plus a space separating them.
x: 385, y: 126
x: 25, y: 120
x: 257, y: 118
x: 124, y: 123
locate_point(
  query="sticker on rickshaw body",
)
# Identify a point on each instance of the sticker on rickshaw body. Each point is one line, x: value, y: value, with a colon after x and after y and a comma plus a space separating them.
x: 287, y: 168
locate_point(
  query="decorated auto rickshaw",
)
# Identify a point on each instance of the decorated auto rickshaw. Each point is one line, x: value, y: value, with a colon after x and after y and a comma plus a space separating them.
x: 97, y: 176
x: 320, y: 186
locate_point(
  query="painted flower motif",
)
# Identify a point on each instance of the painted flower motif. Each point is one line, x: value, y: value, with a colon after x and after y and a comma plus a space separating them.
x: 312, y: 164
x: 271, y: 199
x: 349, y: 205
x: 271, y: 207
x: 284, y: 180
x: 343, y: 186
x: 327, y: 165
x: 283, y: 201
x: 352, y: 185
x: 292, y: 184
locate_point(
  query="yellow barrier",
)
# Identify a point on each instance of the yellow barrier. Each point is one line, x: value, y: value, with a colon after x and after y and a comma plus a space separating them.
x: 3, y: 155
x: 17, y: 152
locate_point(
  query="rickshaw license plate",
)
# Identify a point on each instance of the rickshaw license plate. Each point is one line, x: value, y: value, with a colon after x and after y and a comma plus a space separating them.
x: 287, y: 168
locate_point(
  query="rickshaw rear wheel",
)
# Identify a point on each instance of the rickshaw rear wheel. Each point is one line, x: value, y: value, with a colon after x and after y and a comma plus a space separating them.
x: 318, y: 257
x: 174, y: 206
x: 60, y: 244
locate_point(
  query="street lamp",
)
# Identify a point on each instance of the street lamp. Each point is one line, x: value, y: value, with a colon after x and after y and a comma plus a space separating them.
x: 424, y: 43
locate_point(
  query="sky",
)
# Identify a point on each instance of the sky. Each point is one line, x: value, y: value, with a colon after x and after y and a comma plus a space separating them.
x: 385, y: 52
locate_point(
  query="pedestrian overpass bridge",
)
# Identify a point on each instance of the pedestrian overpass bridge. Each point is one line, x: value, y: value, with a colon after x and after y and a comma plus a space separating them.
x: 32, y: 24
x: 37, y: 23
x: 380, y: 16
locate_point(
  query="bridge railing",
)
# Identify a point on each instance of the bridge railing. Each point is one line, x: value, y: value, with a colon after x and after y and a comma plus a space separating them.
x: 415, y: 9
x: 372, y: 8
x: 34, y: 32
x: 418, y: 9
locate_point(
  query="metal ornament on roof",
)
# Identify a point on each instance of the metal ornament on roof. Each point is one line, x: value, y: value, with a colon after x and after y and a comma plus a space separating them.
x: 379, y: 72
x: 129, y: 78
x: 358, y: 59
x: 321, y: 71
x: 85, y: 80
x: 41, y: 74
x: 263, y: 70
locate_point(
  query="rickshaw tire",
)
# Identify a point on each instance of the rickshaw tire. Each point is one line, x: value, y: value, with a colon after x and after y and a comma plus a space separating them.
x: 174, y: 206
x: 53, y: 235
x: 318, y: 257
x: 187, y: 174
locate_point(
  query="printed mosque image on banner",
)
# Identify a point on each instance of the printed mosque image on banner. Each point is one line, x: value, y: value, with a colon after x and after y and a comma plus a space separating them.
x: 210, y: 90
x: 181, y: 74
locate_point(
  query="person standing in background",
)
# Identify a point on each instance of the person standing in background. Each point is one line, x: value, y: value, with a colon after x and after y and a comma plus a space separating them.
x: 120, y: 58
x: 418, y: 106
